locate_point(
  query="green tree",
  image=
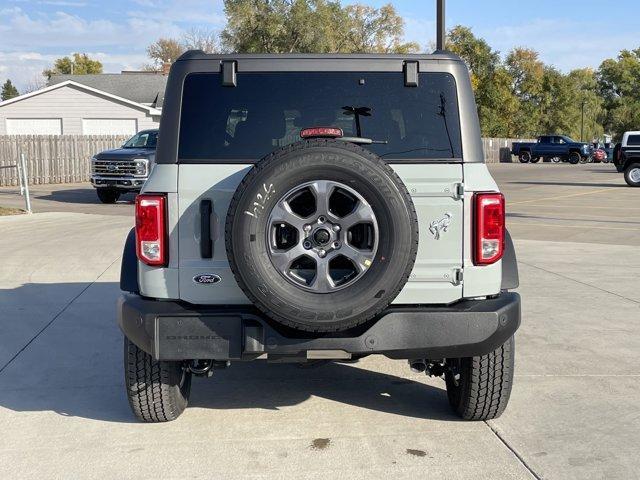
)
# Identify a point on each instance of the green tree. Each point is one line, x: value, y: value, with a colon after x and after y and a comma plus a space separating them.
x: 8, y: 90
x: 481, y: 59
x: 373, y: 30
x: 492, y: 84
x: 312, y: 26
x: 78, y: 64
x: 618, y: 80
x: 527, y: 74
x: 559, y: 104
x: 163, y: 51
x: 583, y: 87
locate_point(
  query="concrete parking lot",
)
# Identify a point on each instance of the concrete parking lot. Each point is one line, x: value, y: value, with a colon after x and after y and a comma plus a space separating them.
x: 574, y: 411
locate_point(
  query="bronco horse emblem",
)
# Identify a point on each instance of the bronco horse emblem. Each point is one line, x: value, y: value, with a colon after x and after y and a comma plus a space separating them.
x: 438, y: 226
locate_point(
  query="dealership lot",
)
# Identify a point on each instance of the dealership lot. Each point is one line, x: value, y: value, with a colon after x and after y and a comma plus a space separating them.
x: 573, y: 413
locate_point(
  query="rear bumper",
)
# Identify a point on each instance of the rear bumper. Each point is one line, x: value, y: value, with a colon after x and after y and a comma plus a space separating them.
x: 176, y: 331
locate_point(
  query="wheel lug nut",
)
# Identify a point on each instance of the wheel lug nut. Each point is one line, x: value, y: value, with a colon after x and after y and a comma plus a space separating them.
x: 321, y: 253
x: 336, y: 228
x: 307, y: 245
x: 321, y: 219
x: 336, y: 244
x: 307, y: 228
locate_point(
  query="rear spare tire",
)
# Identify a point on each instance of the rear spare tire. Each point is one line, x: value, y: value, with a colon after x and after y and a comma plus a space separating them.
x: 321, y: 235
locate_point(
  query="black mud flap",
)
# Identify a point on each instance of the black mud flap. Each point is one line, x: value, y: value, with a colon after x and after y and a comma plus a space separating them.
x: 510, y: 277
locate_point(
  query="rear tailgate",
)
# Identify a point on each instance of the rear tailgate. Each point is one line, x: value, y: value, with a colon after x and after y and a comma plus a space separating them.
x: 435, y: 190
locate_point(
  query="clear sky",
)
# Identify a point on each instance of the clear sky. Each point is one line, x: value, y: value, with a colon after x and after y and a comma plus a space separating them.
x: 567, y: 33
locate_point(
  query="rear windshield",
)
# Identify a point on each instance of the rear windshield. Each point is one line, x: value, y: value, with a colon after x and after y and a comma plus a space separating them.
x: 267, y: 110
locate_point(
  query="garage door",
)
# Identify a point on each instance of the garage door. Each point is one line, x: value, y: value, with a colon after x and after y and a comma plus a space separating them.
x: 109, y: 126
x: 34, y: 126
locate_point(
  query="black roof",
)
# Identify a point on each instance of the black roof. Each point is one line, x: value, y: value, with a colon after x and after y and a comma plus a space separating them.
x: 140, y: 87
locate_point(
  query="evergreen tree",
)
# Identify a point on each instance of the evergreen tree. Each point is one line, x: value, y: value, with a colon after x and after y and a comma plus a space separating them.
x: 8, y: 90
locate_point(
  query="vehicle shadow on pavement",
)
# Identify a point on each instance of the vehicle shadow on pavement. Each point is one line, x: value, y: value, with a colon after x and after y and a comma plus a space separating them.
x: 65, y: 356
x: 271, y: 386
x: 61, y: 351
x: 80, y: 196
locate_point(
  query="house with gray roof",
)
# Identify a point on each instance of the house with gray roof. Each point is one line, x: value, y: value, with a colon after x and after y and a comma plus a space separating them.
x: 103, y: 104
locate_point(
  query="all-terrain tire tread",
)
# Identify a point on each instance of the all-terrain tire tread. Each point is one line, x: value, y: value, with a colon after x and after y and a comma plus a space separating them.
x: 153, y: 386
x: 485, y: 384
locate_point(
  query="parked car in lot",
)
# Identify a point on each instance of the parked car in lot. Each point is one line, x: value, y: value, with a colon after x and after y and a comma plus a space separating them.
x: 626, y: 158
x: 281, y: 221
x: 601, y: 152
x: 551, y: 147
x: 599, y: 155
x: 124, y: 169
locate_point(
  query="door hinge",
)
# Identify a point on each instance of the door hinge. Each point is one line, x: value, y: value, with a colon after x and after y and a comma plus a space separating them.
x: 458, y: 276
x: 459, y: 191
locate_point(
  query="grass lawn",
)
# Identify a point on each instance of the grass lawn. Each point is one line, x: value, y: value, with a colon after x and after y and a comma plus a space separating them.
x: 10, y: 211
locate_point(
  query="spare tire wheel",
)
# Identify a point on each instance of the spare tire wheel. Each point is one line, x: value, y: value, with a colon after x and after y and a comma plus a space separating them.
x: 321, y: 235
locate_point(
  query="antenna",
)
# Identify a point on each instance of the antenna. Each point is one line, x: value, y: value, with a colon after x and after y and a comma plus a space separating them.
x: 440, y: 21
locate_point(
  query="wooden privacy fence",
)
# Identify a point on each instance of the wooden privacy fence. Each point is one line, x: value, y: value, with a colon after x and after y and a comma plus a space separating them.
x: 66, y: 158
x: 53, y: 158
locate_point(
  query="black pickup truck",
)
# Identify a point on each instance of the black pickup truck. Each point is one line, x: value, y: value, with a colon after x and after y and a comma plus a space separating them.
x: 551, y: 146
x: 626, y: 158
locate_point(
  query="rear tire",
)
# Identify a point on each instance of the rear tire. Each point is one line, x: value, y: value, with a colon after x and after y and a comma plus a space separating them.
x: 108, y: 195
x: 524, y: 157
x: 158, y: 391
x: 632, y: 175
x: 479, y: 387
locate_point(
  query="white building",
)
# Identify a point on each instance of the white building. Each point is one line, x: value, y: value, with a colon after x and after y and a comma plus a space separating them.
x: 105, y: 104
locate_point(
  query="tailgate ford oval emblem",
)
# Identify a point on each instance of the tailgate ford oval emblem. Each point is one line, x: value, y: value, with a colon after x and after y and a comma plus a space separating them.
x: 204, y: 278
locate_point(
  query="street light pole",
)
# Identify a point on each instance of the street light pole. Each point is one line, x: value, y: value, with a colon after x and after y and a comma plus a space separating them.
x: 441, y: 32
x: 582, y: 123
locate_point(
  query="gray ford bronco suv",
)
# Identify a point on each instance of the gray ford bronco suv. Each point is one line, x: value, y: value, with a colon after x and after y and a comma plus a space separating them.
x: 310, y: 208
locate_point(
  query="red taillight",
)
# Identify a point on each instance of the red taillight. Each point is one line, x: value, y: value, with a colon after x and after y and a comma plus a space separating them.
x: 489, y: 227
x: 150, y: 229
x: 331, y: 132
